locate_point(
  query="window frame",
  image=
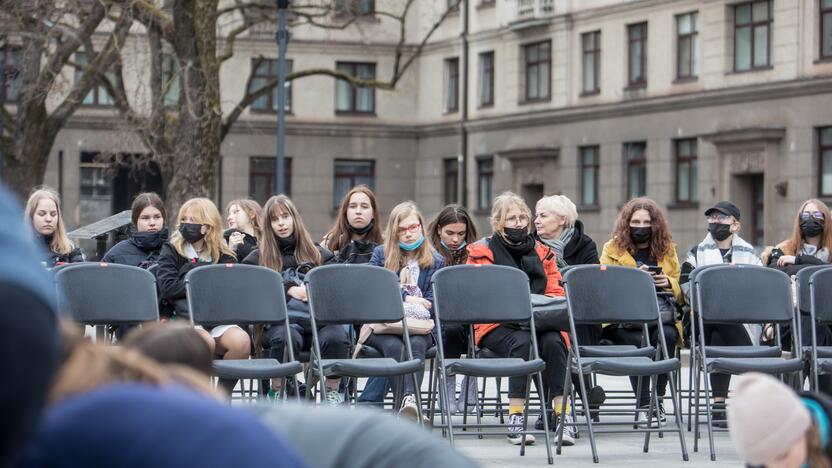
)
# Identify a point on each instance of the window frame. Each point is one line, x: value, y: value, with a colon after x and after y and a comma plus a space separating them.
x: 753, y: 25
x: 595, y: 166
x: 821, y: 18
x: 451, y: 81
x: 596, y: 62
x: 271, y: 98
x: 270, y: 176
x: 97, y: 91
x: 641, y: 82
x: 692, y: 160
x: 485, y: 168
x: 352, y: 175
x: 821, y: 148
x: 450, y: 175
x: 692, y: 38
x: 482, y: 104
x: 353, y: 67
x: 539, y: 66
x: 9, y: 73
x: 640, y: 162
x: 353, y: 7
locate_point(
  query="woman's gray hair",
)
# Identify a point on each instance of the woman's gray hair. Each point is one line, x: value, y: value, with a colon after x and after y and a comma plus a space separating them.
x: 560, y: 205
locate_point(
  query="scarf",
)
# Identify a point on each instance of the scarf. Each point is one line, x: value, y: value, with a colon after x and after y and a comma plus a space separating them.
x: 812, y: 250
x: 707, y: 253
x: 521, y: 256
x: 559, y: 244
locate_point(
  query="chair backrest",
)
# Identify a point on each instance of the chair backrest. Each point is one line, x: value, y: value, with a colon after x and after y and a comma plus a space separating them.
x: 692, y: 280
x: 232, y: 293
x: 106, y: 293
x: 804, y: 299
x: 354, y: 294
x: 610, y: 294
x: 821, y: 297
x: 481, y: 294
x: 744, y: 294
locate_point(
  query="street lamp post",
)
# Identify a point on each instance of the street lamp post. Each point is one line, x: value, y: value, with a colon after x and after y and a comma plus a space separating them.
x: 282, y: 38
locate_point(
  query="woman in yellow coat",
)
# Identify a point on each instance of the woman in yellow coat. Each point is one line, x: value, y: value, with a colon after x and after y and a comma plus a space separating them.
x: 641, y: 239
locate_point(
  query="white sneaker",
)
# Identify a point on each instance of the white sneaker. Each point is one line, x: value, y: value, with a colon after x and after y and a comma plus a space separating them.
x: 409, y: 409
x: 516, y: 422
x: 568, y: 439
x: 333, y: 398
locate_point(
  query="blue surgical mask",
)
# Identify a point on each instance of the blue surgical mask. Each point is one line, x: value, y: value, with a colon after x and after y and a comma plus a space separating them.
x: 461, y: 246
x: 413, y: 246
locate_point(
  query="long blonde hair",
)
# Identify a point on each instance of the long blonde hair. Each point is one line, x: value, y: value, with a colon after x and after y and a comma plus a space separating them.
x: 395, y: 259
x: 252, y: 210
x: 60, y: 242
x: 205, y: 212
x: 305, y: 249
x: 794, y: 244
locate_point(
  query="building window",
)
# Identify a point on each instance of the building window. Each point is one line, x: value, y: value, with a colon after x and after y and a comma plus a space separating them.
x: 170, y: 80
x: 590, y: 166
x: 453, y: 4
x: 687, y: 190
x: 636, y: 164
x: 10, y: 85
x: 348, y: 174
x: 485, y: 183
x: 825, y: 159
x: 538, y: 70
x: 262, y: 74
x: 591, y: 47
x: 687, y: 46
x: 355, y: 7
x: 752, y: 35
x: 98, y: 95
x: 354, y: 99
x: 95, y: 183
x: 262, y: 171
x: 487, y: 79
x: 825, y: 29
x: 450, y: 180
x: 451, y: 85
x: 637, y: 40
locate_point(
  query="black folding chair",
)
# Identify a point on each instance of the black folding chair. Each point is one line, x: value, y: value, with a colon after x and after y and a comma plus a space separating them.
x: 338, y: 295
x: 803, y: 318
x: 103, y: 294
x: 214, y: 298
x: 468, y: 295
x: 820, y: 290
x: 740, y: 294
x: 599, y: 294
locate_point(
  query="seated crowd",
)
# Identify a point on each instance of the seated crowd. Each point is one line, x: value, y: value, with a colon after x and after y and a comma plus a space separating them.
x: 539, y: 243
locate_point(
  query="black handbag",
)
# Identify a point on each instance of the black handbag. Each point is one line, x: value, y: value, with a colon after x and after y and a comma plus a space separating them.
x: 550, y: 313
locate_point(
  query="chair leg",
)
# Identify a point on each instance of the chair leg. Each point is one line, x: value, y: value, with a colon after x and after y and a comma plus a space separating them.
x: 651, y: 411
x: 546, y: 437
x: 584, y: 397
x: 526, y: 414
x: 446, y: 409
x: 638, y: 400
x: 430, y: 387
x: 696, y: 407
x: 561, y: 418
x: 477, y: 407
x: 677, y: 411
x: 709, y: 415
x: 418, y: 394
x: 434, y: 386
x: 691, y: 364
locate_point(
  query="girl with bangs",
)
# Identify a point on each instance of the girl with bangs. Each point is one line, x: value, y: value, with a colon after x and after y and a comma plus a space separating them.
x: 406, y: 252
x: 287, y: 248
x: 356, y: 232
x: 43, y: 215
x: 197, y: 242
x: 244, y: 229
x: 641, y: 239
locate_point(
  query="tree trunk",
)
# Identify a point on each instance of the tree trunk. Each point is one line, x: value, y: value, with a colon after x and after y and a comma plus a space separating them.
x: 24, y: 169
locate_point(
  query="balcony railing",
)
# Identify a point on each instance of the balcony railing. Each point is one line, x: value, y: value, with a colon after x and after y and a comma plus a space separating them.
x: 530, y: 9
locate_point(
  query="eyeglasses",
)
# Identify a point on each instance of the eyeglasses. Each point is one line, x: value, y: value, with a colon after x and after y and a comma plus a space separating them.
x: 718, y: 218
x: 411, y: 228
x: 812, y: 214
x: 517, y: 220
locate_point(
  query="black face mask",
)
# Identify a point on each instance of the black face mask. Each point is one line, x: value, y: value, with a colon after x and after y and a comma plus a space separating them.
x: 148, y: 241
x: 811, y: 227
x: 363, y: 230
x: 719, y: 231
x: 191, y: 232
x: 640, y: 235
x: 515, y: 235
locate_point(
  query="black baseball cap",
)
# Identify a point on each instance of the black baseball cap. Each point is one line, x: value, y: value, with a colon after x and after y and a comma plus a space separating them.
x: 726, y: 208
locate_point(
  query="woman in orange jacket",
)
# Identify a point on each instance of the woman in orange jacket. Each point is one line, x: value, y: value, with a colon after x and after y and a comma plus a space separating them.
x: 641, y: 239
x: 512, y: 245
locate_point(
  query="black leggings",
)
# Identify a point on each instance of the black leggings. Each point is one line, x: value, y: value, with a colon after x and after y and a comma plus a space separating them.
x: 391, y: 346
x: 454, y: 340
x: 509, y: 342
x: 632, y: 336
x: 724, y: 334
x: 335, y: 343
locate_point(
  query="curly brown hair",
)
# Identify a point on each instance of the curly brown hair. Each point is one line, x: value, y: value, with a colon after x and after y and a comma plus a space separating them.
x: 660, y: 243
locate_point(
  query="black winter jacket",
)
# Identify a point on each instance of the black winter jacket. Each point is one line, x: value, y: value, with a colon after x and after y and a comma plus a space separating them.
x: 53, y: 258
x: 249, y: 243
x: 356, y: 252
x: 140, y: 250
x: 289, y: 261
x: 170, y: 276
x: 581, y: 249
